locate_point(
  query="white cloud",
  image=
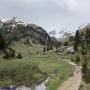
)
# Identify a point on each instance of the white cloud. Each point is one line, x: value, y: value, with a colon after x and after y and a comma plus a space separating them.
x: 51, y: 14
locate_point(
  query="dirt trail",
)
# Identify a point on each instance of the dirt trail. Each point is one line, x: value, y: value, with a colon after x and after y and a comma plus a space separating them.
x: 73, y: 82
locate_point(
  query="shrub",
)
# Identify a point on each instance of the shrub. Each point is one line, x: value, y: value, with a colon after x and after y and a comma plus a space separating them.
x: 86, y: 71
x: 77, y: 40
x: 83, y: 51
x: 6, y: 56
x: 2, y: 42
x: 66, y: 43
x: 44, y: 50
x: 77, y: 60
x: 51, y: 47
x: 47, y: 48
x: 19, y: 56
x: 9, y: 53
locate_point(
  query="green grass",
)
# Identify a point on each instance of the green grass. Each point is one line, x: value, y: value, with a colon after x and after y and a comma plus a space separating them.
x: 65, y: 72
x: 19, y: 72
x: 88, y: 87
x: 48, y: 62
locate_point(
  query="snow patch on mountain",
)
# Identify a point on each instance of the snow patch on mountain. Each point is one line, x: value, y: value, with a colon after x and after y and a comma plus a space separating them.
x: 14, y: 20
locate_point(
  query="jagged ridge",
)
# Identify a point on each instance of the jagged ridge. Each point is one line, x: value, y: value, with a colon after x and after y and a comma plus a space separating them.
x: 17, y: 30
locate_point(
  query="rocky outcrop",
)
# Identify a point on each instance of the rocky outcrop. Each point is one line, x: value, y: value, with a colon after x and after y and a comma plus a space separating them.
x: 16, y: 30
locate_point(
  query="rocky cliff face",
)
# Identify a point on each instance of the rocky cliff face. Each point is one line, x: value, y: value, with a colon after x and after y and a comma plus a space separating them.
x: 16, y: 30
x: 85, y: 34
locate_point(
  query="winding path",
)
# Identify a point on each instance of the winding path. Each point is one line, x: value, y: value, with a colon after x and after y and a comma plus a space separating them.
x: 73, y: 83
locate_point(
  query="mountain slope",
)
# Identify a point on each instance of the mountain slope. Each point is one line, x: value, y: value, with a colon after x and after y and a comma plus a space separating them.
x: 16, y: 30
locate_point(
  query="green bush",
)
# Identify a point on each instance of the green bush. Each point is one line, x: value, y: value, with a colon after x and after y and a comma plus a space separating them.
x: 19, y: 56
x: 84, y: 52
x: 77, y: 60
x: 9, y: 53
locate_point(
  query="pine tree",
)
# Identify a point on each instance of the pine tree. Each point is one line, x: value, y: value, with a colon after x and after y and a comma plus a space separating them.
x: 50, y: 47
x: 6, y: 56
x: 27, y: 42
x: 77, y: 39
x: 77, y: 59
x: 19, y: 56
x: 88, y: 35
x: 2, y: 43
x: 66, y: 43
x: 44, y: 50
x: 84, y: 50
x: 47, y: 48
x: 57, y: 46
x: 13, y: 53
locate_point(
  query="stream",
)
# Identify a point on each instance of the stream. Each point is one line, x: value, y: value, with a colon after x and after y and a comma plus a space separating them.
x: 42, y: 86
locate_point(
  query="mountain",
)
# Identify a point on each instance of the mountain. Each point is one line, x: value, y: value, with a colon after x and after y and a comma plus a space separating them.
x: 14, y: 29
x: 85, y: 32
x: 83, y: 28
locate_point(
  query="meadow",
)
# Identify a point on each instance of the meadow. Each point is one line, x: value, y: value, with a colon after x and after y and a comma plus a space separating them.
x: 34, y: 67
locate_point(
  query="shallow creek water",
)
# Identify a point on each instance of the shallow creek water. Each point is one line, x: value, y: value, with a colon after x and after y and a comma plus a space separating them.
x: 41, y: 86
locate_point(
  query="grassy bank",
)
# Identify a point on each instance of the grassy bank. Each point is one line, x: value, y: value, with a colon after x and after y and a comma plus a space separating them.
x: 18, y: 72
x: 64, y: 73
x: 32, y: 67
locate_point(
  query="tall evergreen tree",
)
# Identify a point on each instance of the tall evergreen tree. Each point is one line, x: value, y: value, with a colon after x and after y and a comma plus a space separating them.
x: 44, y: 50
x: 57, y: 46
x: 77, y: 59
x: 2, y: 43
x: 66, y: 43
x: 77, y: 40
x: 19, y: 56
x: 50, y: 47
x: 88, y: 36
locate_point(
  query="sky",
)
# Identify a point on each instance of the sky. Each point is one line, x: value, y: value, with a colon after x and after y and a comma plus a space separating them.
x: 50, y: 14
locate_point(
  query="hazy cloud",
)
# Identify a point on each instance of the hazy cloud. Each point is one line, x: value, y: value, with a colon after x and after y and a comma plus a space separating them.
x: 50, y: 14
